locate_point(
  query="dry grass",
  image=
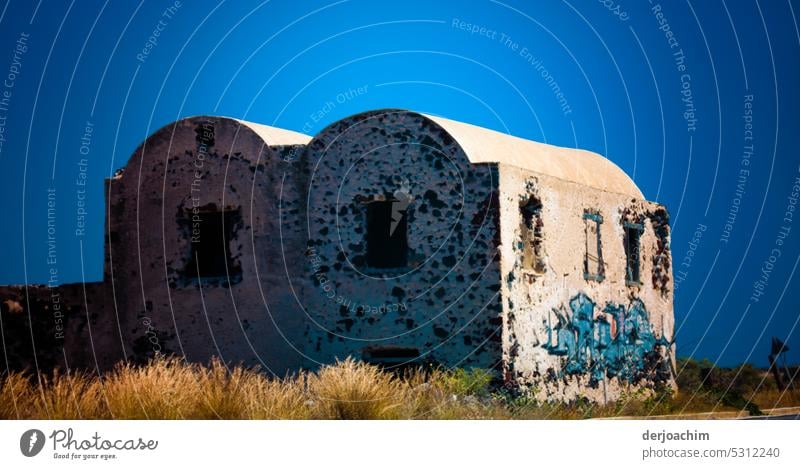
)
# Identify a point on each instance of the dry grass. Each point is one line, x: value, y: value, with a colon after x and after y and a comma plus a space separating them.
x: 169, y: 388
x: 773, y: 398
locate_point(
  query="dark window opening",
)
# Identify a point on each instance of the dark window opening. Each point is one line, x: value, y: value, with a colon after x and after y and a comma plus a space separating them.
x: 211, y: 232
x: 632, y: 241
x: 387, y: 233
x: 593, y: 266
x: 531, y: 234
x: 661, y: 259
x: 391, y: 356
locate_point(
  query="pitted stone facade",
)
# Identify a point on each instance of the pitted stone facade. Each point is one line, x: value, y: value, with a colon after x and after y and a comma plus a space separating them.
x: 391, y: 236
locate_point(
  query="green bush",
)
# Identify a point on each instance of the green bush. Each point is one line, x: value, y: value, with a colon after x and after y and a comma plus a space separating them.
x: 472, y: 382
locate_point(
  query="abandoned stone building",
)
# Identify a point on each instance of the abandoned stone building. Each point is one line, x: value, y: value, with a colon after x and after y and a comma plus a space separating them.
x: 391, y: 236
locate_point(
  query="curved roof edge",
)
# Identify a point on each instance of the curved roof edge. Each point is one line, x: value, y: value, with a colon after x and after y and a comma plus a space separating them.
x: 482, y: 145
x: 583, y: 167
x: 272, y: 135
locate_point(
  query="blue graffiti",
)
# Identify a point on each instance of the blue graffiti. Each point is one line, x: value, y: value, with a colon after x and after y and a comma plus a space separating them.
x: 619, y: 343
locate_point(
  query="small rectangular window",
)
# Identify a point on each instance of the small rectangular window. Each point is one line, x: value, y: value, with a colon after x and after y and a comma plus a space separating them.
x: 211, y: 232
x: 387, y: 234
x: 633, y: 233
x: 594, y: 269
x: 531, y: 234
x: 391, y: 356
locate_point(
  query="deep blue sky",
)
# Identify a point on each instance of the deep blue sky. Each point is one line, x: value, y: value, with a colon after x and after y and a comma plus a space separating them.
x: 278, y: 62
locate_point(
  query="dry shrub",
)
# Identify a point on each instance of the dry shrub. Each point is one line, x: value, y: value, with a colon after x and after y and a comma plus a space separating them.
x: 164, y: 389
x: 426, y: 394
x: 280, y: 399
x: 773, y: 398
x: 246, y: 393
x: 69, y: 396
x: 16, y: 396
x: 222, y: 393
x: 355, y: 390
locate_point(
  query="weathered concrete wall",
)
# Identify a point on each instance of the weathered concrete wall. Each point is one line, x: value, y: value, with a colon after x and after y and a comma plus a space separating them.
x: 61, y: 327
x: 568, y: 334
x: 184, y: 169
x: 446, y: 302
